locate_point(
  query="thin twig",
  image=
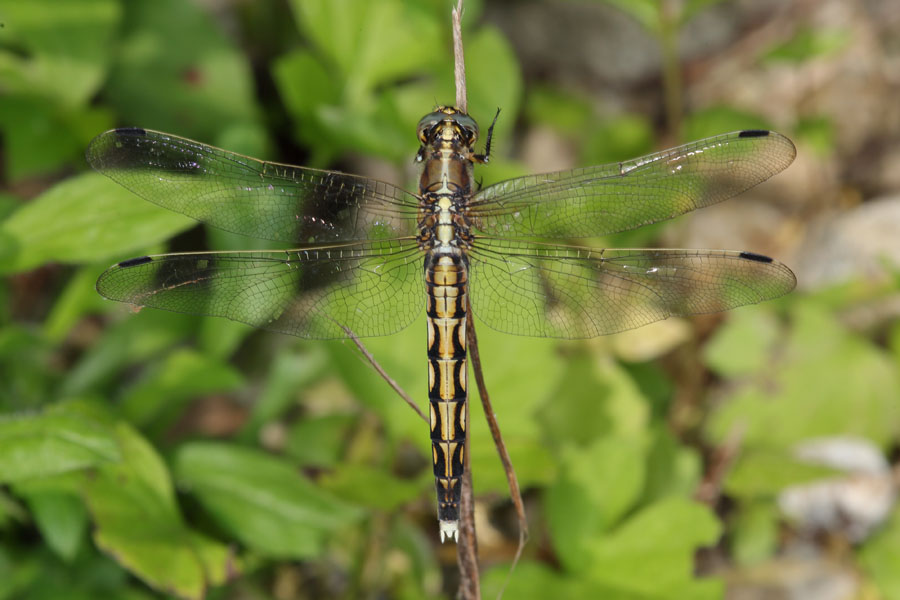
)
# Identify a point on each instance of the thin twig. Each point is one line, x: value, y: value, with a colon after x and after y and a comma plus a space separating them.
x: 672, y: 84
x: 390, y: 380
x: 459, y: 71
x: 514, y: 491
x: 467, y: 546
x: 722, y: 460
x: 467, y: 549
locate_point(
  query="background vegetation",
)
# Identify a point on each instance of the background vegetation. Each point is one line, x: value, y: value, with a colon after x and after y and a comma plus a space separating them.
x: 153, y: 454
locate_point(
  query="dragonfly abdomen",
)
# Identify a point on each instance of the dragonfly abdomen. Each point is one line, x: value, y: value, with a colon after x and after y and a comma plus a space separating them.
x: 446, y: 280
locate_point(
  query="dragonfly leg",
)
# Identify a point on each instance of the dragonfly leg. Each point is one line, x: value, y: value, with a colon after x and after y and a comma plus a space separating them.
x: 484, y: 158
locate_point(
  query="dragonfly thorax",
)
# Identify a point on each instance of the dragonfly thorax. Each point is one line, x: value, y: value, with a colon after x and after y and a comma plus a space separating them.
x: 443, y: 227
x: 445, y: 185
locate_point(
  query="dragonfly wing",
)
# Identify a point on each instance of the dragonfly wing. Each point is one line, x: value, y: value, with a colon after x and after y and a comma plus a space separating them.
x: 244, y: 195
x: 605, y: 199
x: 372, y: 288
x: 570, y: 292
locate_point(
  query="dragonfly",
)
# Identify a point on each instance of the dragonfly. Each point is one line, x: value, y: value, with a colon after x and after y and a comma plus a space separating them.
x: 364, y: 257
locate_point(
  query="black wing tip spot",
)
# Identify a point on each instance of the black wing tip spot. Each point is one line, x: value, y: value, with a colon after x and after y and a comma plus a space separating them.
x: 133, y: 262
x: 757, y: 257
x: 134, y: 131
x: 751, y: 133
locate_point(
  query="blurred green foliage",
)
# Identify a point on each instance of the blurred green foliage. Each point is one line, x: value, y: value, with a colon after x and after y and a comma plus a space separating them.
x: 107, y: 469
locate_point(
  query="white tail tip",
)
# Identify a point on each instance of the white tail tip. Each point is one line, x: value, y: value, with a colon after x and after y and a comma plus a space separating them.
x: 449, y: 529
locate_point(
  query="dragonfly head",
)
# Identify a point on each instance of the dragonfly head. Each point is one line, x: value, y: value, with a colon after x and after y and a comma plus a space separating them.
x: 447, y: 124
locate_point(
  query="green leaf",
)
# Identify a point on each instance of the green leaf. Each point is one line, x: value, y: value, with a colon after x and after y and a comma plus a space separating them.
x: 402, y: 357
x: 248, y: 138
x: 761, y: 472
x: 625, y: 136
x: 596, y: 486
x: 176, y: 71
x: 139, y: 525
x: 566, y: 111
x: 369, y: 43
x: 17, y: 574
x: 672, y: 469
x: 809, y: 43
x: 330, y: 90
x: 881, y: 555
x: 652, y: 554
x: 11, y: 510
x: 77, y: 299
x: 262, y: 500
x: 371, y: 130
x: 184, y: 374
x: 67, y: 46
x: 90, y: 577
x: 8, y: 249
x: 755, y: 533
x: 819, y: 133
x: 744, y: 344
x: 533, y: 581
x: 421, y: 570
x: 65, y: 437
x: 8, y: 204
x: 27, y: 373
x: 84, y: 219
x: 59, y: 62
x: 719, y: 119
x: 306, y: 85
x: 326, y: 124
x: 515, y: 397
x: 893, y: 342
x: 494, y: 80
x: 319, y: 441
x: 304, y: 82
x: 221, y: 338
x: 827, y: 382
x: 601, y: 399
x: 583, y: 416
x: 40, y: 137
x: 139, y: 338
x: 62, y: 520
x: 289, y: 374
x: 371, y: 486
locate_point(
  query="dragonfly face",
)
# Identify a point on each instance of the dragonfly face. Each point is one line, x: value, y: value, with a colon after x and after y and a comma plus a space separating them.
x: 447, y: 123
x: 355, y: 249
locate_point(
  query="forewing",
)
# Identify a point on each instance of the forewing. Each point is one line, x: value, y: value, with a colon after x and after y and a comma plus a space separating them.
x: 605, y: 199
x: 371, y: 289
x: 244, y: 195
x: 570, y: 292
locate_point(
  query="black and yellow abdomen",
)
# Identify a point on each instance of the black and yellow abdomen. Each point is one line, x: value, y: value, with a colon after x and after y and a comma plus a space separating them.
x: 445, y: 187
x: 446, y: 282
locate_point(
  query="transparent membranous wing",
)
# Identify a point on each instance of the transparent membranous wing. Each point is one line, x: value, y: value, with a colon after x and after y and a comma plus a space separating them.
x: 372, y: 288
x: 244, y: 195
x: 570, y: 292
x: 605, y: 199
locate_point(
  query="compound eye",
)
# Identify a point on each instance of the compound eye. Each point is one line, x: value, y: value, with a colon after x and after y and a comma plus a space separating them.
x: 468, y: 126
x: 427, y: 125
